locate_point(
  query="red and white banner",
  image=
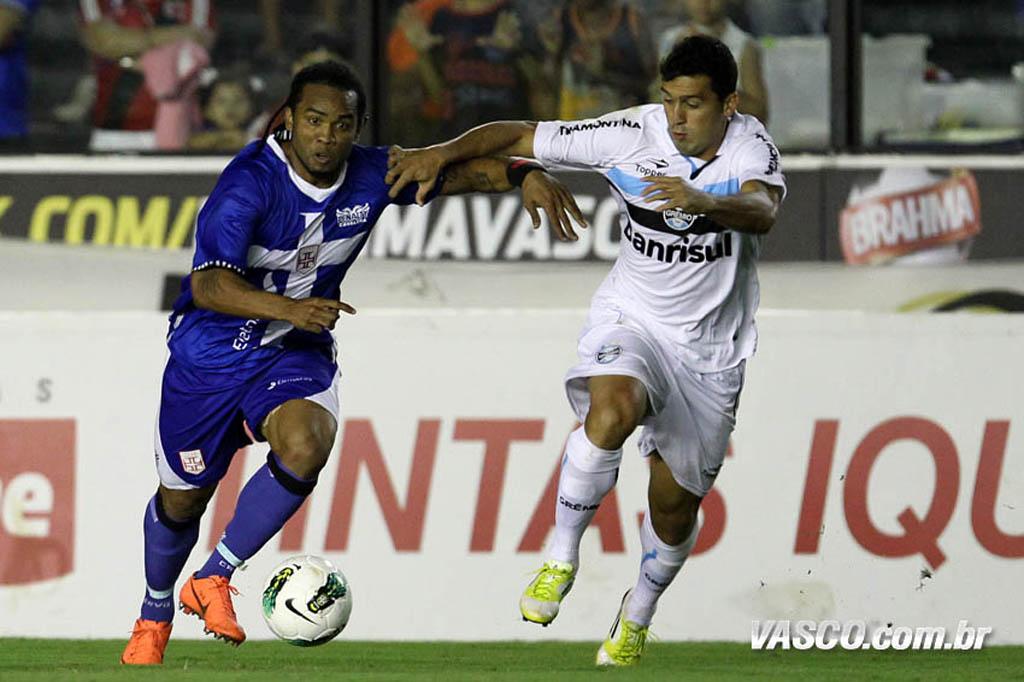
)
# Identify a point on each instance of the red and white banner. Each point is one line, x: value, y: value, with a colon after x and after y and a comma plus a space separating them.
x: 37, y: 499
x: 875, y: 474
x: 881, y: 227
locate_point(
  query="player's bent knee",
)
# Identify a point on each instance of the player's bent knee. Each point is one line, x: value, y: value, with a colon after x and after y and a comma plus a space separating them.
x: 184, y: 505
x: 611, y: 420
x: 304, y: 451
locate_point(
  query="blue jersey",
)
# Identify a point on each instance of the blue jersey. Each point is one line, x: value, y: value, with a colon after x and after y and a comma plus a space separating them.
x: 283, y: 235
x: 14, y: 73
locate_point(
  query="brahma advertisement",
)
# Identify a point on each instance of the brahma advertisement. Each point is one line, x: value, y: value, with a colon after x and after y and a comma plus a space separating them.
x: 910, y: 215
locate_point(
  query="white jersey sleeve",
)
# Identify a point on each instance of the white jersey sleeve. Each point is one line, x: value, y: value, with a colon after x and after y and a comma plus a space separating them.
x: 758, y: 159
x: 594, y: 143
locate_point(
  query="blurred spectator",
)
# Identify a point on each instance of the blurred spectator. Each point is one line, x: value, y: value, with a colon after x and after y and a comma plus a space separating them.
x: 270, y: 12
x: 228, y: 105
x: 321, y: 46
x: 605, y: 56
x: 414, y: 84
x: 786, y: 17
x: 457, y: 63
x: 661, y: 15
x: 140, y: 46
x: 78, y: 106
x: 709, y: 17
x: 14, y: 16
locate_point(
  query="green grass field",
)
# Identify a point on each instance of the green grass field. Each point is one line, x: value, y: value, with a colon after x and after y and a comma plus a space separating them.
x: 208, y: 661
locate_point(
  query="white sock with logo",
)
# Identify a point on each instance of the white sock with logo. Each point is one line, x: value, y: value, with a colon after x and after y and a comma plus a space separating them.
x: 658, y: 568
x: 588, y: 473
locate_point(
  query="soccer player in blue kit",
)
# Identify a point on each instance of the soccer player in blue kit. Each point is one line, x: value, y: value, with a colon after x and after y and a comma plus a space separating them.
x: 250, y: 342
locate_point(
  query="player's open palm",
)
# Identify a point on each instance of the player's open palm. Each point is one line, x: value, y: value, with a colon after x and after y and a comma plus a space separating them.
x: 406, y: 166
x: 317, y: 314
x: 543, y: 190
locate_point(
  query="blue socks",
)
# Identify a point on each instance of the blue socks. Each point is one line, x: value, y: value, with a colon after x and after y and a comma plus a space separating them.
x: 265, y: 504
x: 267, y: 501
x: 167, y: 546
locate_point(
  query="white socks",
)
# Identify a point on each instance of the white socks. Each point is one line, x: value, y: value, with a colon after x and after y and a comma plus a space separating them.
x: 659, y: 566
x: 588, y: 473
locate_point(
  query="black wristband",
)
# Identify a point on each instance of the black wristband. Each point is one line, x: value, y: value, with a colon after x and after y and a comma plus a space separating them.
x: 517, y: 171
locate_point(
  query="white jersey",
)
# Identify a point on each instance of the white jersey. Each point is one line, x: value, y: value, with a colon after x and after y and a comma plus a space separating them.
x: 689, y: 280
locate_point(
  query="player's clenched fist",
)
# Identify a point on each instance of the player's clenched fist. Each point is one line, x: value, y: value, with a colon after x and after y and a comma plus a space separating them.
x: 317, y: 314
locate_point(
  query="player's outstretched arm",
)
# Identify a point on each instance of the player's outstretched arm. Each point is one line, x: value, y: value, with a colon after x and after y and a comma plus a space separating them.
x: 541, y: 190
x: 405, y: 166
x: 753, y: 210
x: 224, y: 291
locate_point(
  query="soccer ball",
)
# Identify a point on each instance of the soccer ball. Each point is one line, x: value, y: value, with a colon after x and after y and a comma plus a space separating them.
x: 306, y: 601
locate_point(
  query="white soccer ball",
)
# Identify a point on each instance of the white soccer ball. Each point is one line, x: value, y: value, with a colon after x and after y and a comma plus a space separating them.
x: 306, y: 601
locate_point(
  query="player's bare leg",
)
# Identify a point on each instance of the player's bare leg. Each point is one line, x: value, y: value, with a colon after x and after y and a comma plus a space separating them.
x: 301, y: 435
x: 617, y: 406
x: 170, y: 530
x: 186, y: 505
x: 668, y: 534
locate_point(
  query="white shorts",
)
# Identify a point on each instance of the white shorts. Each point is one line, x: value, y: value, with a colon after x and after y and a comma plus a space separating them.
x: 692, y: 414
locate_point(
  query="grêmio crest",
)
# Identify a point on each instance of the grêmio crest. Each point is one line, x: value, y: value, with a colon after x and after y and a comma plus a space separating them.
x: 679, y: 220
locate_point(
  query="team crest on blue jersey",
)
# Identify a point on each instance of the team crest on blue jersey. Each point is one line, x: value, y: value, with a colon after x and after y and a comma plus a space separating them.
x: 353, y: 215
x: 305, y: 259
x: 677, y: 219
x: 192, y: 461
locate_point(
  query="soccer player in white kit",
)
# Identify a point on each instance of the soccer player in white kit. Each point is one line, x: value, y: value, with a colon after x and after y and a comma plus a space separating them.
x: 671, y: 326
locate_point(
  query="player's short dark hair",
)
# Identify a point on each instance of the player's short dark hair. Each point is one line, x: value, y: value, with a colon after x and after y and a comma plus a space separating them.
x: 335, y: 74
x: 702, y: 56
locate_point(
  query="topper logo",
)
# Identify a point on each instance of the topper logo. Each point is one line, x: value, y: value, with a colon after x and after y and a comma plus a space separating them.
x: 37, y: 499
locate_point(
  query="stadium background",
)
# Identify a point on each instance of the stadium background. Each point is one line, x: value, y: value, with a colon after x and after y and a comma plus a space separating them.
x: 875, y: 473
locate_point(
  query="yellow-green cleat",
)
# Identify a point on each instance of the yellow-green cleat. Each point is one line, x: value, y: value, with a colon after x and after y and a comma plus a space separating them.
x: 626, y: 640
x: 541, y: 598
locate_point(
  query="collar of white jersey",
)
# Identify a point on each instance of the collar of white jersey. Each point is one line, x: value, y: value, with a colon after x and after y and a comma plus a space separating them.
x: 317, y: 194
x: 735, y: 128
x: 740, y: 126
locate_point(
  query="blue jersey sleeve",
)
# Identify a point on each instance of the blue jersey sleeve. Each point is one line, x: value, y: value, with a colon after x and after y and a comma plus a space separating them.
x: 228, y: 220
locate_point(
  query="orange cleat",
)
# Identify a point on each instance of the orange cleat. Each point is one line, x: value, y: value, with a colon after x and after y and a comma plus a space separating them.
x: 146, y: 647
x: 210, y: 599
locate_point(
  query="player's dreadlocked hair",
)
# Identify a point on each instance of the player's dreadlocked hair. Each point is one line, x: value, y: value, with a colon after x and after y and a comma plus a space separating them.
x: 702, y: 56
x: 338, y: 75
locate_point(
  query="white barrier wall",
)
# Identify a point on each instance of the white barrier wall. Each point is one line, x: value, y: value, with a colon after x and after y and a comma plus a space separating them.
x: 872, y: 450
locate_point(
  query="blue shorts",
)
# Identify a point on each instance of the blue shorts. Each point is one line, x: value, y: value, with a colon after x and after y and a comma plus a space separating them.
x: 204, y: 418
